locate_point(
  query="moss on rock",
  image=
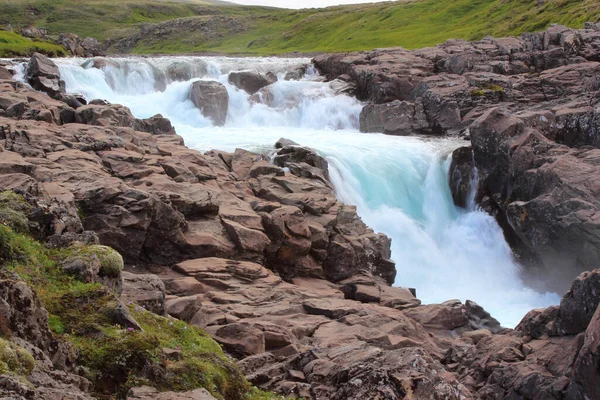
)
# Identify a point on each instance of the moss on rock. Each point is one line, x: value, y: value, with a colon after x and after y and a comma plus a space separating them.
x: 13, y: 211
x: 111, y: 262
x: 15, y: 359
x: 114, y: 358
x: 123, y: 358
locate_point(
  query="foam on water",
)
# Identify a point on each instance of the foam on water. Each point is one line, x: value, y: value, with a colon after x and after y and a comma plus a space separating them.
x: 399, y: 184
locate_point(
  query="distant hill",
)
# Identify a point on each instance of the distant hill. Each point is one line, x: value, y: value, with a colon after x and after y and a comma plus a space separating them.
x: 177, y: 26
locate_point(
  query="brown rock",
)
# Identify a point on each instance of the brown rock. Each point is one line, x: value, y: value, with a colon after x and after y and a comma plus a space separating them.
x: 43, y: 75
x: 241, y: 340
x: 212, y: 99
x: 586, y: 382
x: 146, y: 290
x: 250, y: 81
x: 477, y: 335
x: 150, y: 393
x: 246, y: 239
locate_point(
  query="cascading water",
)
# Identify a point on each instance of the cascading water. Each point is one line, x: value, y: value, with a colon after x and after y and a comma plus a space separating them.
x: 398, y: 183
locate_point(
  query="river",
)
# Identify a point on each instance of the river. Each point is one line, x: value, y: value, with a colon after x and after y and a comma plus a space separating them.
x: 399, y: 184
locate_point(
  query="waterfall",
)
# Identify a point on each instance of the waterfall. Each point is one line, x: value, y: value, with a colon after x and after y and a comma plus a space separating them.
x: 399, y: 184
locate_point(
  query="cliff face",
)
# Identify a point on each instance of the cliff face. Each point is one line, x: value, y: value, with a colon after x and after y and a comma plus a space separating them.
x: 261, y: 256
x: 528, y: 105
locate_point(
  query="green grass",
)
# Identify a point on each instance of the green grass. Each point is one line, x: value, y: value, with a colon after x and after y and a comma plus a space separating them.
x: 14, y: 45
x: 411, y: 24
x: 113, y: 358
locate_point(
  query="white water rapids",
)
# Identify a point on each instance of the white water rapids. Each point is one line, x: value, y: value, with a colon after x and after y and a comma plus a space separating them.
x: 398, y: 183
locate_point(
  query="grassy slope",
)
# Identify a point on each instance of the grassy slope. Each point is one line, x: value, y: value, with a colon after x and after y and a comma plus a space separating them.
x: 12, y: 45
x: 411, y: 24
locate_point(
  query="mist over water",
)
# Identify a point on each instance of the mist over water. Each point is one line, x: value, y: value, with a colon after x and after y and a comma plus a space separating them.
x: 399, y: 184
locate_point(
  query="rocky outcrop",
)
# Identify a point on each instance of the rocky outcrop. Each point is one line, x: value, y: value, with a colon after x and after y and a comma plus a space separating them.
x: 441, y: 90
x: 205, y: 28
x: 87, y: 47
x: 211, y: 99
x: 172, y: 203
x: 309, y: 336
x: 25, y: 336
x: 528, y: 105
x: 251, y: 81
x: 527, y: 363
x: 542, y: 192
x: 314, y: 332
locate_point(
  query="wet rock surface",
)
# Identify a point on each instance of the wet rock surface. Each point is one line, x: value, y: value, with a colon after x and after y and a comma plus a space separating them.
x: 251, y: 81
x: 211, y: 99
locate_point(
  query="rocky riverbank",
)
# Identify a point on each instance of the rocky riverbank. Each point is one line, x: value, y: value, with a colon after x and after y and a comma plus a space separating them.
x: 528, y: 105
x: 259, y: 255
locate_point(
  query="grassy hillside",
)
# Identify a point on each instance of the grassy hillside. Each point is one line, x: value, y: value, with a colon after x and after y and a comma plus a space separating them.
x: 106, y: 19
x: 13, y: 45
x: 232, y: 29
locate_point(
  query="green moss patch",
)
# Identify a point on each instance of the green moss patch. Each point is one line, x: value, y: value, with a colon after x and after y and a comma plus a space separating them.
x: 15, y: 359
x: 111, y: 262
x: 13, y: 211
x: 118, y: 359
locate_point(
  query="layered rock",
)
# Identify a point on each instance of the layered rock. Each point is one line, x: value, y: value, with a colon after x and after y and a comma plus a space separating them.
x: 304, y: 338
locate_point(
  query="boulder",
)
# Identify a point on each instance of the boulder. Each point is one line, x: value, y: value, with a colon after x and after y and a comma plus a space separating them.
x: 246, y: 239
x: 241, y: 340
x: 572, y: 316
x: 211, y: 99
x: 33, y: 32
x: 283, y: 142
x: 250, y: 81
x: 5, y: 73
x: 43, y: 75
x: 296, y: 74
